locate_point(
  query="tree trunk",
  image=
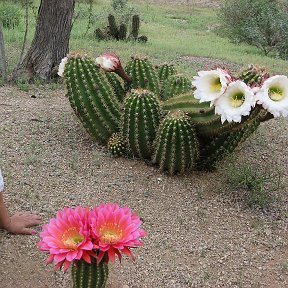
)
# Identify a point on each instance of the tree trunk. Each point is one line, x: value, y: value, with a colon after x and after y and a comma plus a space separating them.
x: 51, y: 40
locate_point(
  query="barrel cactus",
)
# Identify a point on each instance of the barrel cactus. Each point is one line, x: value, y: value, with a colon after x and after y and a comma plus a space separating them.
x: 165, y: 70
x: 143, y: 75
x: 91, y: 96
x: 175, y: 85
x: 140, y: 121
x: 92, y: 275
x: 176, y: 144
x: 116, y: 145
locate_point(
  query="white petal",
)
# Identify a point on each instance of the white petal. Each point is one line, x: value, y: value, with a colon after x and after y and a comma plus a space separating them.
x: 223, y: 104
x: 276, y: 107
x: 61, y: 67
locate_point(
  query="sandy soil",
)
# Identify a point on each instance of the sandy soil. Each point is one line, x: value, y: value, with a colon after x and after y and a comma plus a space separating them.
x: 198, y: 235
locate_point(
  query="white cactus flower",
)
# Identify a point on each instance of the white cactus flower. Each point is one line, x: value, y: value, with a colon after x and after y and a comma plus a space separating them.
x: 210, y: 84
x: 62, y: 66
x: 273, y: 95
x: 236, y: 102
x: 109, y: 62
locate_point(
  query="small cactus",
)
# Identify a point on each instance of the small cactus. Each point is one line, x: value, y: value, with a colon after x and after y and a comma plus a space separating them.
x: 122, y: 32
x: 135, y: 27
x: 143, y: 75
x: 142, y: 39
x: 92, y: 275
x: 166, y: 70
x: 92, y: 97
x: 100, y: 35
x: 176, y: 144
x: 140, y: 122
x: 114, y: 31
x: 175, y: 85
x: 116, y: 145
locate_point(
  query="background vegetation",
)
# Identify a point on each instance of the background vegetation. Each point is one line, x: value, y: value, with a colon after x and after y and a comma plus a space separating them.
x: 192, y: 28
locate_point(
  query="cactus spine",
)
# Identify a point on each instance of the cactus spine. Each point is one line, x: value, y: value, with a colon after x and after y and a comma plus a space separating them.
x: 92, y: 275
x: 92, y: 97
x: 175, y: 85
x: 143, y: 75
x: 176, y: 144
x: 140, y: 121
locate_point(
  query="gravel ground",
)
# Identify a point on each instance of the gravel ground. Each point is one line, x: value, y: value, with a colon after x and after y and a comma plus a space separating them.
x: 198, y: 236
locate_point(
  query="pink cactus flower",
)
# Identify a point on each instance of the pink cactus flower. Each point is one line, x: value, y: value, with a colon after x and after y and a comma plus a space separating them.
x: 67, y: 238
x: 109, y: 62
x: 115, y: 230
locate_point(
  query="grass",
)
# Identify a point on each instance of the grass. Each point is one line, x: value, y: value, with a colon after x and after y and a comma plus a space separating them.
x: 190, y: 27
x: 251, y: 184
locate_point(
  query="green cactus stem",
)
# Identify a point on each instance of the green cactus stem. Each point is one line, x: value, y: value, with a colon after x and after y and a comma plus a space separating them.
x: 175, y: 85
x: 254, y: 76
x: 116, y: 85
x: 122, y: 32
x: 92, y: 275
x: 203, y: 117
x: 114, y: 31
x: 135, y: 27
x: 116, y: 145
x: 143, y: 75
x: 165, y: 70
x: 140, y: 121
x: 92, y: 97
x: 176, y: 144
x: 215, y: 149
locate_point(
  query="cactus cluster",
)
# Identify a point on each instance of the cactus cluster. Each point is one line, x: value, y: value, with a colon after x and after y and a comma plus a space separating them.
x: 154, y: 114
x: 120, y: 32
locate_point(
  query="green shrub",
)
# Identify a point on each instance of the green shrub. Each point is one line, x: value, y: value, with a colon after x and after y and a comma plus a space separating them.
x: 261, y: 23
x: 10, y: 16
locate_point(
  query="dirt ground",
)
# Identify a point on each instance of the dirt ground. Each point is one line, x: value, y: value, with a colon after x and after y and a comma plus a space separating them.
x: 198, y: 235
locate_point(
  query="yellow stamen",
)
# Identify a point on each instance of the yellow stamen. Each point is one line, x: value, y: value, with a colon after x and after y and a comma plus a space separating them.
x: 216, y: 85
x: 110, y: 233
x: 275, y: 93
x: 71, y: 238
x: 237, y: 99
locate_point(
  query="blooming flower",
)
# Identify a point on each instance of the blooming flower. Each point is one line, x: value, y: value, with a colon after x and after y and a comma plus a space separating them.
x: 210, y: 84
x: 109, y: 62
x: 236, y: 102
x: 273, y: 95
x: 62, y: 66
x: 67, y: 238
x: 115, y: 230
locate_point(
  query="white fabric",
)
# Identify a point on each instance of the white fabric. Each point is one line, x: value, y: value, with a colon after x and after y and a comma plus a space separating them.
x: 1, y: 182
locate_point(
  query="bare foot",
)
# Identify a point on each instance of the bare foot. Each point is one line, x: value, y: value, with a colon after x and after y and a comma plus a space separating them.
x: 20, y: 222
